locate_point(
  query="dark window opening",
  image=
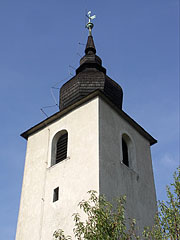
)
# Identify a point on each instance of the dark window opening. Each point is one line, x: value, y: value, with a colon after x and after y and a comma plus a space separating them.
x: 125, y: 153
x: 56, y: 194
x: 61, y: 148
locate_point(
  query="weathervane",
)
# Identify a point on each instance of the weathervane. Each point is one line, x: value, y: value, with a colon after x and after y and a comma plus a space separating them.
x: 90, y: 25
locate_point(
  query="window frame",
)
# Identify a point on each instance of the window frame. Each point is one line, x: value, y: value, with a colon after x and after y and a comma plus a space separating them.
x: 125, y: 152
x: 56, y: 194
x: 54, y: 147
x: 131, y: 150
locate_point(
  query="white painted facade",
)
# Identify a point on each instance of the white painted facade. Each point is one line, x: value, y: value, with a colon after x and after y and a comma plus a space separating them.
x: 93, y: 163
x: 116, y: 179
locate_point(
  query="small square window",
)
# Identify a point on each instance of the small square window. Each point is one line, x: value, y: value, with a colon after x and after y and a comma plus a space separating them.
x: 56, y: 194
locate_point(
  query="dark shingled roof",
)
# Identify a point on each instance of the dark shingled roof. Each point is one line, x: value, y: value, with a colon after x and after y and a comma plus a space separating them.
x: 90, y: 81
x: 90, y: 76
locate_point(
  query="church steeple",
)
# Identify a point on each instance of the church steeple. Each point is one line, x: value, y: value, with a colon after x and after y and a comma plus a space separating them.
x: 90, y: 47
x: 91, y: 143
x: 90, y: 76
x: 90, y: 59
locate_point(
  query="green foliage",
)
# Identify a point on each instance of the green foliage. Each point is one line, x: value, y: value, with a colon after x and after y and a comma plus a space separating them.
x: 102, y: 222
x: 167, y: 220
x: 105, y: 222
x: 59, y: 235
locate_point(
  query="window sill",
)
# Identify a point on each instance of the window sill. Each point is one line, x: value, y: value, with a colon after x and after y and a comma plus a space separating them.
x: 66, y: 159
x: 130, y: 169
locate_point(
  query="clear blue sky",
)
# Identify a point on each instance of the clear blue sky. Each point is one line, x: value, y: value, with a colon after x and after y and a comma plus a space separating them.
x: 139, y: 44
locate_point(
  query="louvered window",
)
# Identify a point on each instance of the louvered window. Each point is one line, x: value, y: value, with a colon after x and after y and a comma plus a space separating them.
x: 61, y: 148
x: 125, y: 153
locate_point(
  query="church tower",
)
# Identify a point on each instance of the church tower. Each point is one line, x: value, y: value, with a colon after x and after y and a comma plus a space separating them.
x: 90, y: 144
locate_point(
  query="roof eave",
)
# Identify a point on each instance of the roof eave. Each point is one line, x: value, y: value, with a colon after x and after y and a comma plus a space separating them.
x: 65, y: 111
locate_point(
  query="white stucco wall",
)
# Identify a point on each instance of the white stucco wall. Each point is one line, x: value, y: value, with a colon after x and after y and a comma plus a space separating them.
x: 93, y: 163
x: 39, y: 217
x: 116, y: 179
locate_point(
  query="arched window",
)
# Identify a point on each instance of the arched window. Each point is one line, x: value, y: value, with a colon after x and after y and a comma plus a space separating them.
x: 59, y: 147
x: 125, y: 153
x: 127, y: 150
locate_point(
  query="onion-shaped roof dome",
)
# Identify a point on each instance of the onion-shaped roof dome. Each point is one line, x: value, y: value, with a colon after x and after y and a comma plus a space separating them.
x: 90, y: 76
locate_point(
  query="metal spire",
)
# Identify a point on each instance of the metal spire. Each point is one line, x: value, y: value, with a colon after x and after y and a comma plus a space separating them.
x: 90, y: 25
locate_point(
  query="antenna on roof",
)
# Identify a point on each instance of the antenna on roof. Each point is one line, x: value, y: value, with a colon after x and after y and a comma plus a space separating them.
x: 42, y: 110
x: 56, y: 87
